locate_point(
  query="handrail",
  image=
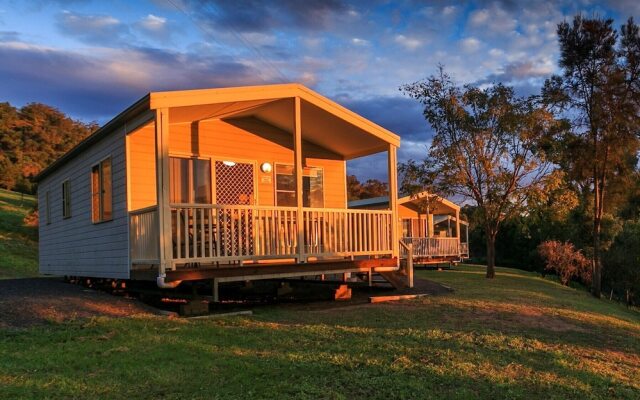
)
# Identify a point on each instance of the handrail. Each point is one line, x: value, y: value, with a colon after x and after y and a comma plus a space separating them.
x: 257, y: 207
x: 143, y: 210
x: 434, y: 246
x: 408, y: 247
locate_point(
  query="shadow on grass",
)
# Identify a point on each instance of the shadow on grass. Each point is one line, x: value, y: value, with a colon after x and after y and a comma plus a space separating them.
x: 244, y: 358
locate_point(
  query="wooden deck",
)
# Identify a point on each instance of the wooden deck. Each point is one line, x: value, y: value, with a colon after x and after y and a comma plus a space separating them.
x: 271, y: 271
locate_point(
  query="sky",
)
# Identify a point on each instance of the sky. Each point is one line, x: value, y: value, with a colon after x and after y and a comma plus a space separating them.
x: 92, y: 59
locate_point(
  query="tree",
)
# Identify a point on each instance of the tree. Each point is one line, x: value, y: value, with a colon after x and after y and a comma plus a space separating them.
x: 623, y: 261
x: 371, y: 188
x: 599, y: 92
x: 31, y: 138
x: 486, y: 147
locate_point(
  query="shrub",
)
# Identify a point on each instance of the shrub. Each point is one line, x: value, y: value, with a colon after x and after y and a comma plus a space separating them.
x: 567, y: 262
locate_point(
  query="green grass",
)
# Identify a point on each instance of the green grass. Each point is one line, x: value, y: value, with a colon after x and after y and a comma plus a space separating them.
x: 516, y: 337
x: 18, y: 242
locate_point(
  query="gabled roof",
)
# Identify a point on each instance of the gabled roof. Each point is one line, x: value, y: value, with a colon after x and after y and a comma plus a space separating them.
x: 324, y: 122
x: 384, y: 200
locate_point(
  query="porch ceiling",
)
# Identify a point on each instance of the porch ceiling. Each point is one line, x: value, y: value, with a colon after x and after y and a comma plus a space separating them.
x: 324, y: 123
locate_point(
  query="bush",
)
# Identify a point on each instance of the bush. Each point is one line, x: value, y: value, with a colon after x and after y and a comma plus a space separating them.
x: 567, y: 262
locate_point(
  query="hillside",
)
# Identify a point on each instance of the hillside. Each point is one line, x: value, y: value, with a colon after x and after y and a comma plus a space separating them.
x: 32, y: 137
x: 18, y: 242
x: 518, y: 337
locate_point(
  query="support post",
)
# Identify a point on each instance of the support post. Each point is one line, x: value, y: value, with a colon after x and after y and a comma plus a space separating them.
x: 162, y: 189
x: 467, y: 230
x: 458, y: 235
x: 410, y: 264
x: 393, y: 199
x: 297, y: 151
x: 214, y: 289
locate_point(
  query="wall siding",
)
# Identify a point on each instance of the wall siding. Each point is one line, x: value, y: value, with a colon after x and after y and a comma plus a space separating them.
x: 76, y: 246
x: 238, y: 140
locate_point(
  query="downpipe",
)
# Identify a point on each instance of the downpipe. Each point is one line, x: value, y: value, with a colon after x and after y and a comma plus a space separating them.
x: 162, y: 284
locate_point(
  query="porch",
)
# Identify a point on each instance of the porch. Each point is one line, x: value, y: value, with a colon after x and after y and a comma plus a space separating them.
x: 237, y: 235
x: 224, y: 178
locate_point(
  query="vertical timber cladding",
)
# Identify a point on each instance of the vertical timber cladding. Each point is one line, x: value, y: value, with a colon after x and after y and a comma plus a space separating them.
x: 235, y: 183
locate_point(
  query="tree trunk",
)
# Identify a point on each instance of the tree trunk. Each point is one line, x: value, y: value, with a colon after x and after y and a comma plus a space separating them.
x: 597, y: 265
x: 491, y: 255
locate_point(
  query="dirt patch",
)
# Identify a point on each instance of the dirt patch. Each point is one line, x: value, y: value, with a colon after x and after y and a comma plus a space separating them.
x: 361, y: 294
x: 39, y: 301
x: 507, y: 316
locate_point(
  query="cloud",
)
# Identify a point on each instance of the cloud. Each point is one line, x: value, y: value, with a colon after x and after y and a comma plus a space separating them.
x: 260, y: 16
x: 9, y: 36
x: 99, y: 85
x: 400, y: 115
x: 360, y: 42
x: 93, y: 29
x: 155, y: 27
x: 470, y: 45
x: 521, y: 72
x: 408, y: 43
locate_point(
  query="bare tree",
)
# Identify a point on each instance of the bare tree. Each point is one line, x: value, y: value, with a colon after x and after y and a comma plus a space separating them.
x: 487, y: 147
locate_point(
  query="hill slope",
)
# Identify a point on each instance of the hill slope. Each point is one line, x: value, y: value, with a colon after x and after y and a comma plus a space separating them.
x: 18, y: 242
x: 517, y: 337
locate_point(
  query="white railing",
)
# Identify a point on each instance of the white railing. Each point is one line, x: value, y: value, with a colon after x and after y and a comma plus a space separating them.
x: 329, y: 232
x: 144, y: 235
x: 432, y: 247
x: 218, y: 233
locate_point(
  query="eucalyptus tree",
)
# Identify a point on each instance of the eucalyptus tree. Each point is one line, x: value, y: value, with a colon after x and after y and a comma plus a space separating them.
x: 487, y: 147
x: 599, y: 93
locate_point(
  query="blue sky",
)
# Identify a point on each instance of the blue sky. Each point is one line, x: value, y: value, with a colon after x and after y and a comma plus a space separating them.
x: 91, y: 59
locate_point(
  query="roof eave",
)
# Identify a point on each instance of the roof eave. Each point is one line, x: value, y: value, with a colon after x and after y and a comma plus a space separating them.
x: 135, y: 109
x: 185, y: 98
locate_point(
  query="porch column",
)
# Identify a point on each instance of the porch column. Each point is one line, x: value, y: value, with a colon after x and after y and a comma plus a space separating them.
x: 297, y: 152
x: 458, y: 235
x: 162, y: 188
x: 393, y: 198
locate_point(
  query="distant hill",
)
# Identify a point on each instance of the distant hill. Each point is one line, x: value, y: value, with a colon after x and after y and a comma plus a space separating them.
x: 31, y: 138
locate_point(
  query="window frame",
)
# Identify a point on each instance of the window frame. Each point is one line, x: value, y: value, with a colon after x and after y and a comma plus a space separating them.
x: 66, y: 199
x: 275, y: 183
x: 191, y: 176
x: 100, y: 191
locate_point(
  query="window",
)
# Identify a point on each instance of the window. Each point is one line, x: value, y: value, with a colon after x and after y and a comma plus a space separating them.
x: 47, y: 210
x: 312, y: 186
x: 190, y: 180
x: 406, y: 227
x: 66, y: 199
x: 101, y: 192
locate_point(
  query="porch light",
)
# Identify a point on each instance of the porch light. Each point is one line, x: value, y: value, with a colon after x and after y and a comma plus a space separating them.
x: 266, y: 167
x: 229, y: 163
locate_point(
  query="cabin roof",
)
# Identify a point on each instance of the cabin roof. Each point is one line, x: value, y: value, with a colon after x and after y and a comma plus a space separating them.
x: 406, y: 200
x: 324, y: 122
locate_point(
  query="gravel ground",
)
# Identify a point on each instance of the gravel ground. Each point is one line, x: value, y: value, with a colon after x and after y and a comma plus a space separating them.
x: 40, y: 301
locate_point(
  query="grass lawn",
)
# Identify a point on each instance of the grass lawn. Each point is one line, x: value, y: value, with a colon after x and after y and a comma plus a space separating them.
x: 18, y: 242
x: 516, y: 337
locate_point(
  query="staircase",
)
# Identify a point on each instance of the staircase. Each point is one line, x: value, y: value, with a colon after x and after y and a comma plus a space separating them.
x: 401, y: 278
x: 398, y: 279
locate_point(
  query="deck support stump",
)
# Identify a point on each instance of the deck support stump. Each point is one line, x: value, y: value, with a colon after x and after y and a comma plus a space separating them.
x: 214, y: 289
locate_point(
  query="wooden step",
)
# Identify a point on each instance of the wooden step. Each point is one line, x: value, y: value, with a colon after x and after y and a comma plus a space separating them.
x: 397, y: 279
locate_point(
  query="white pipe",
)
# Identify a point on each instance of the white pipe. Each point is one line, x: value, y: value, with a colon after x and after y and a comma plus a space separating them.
x: 162, y: 284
